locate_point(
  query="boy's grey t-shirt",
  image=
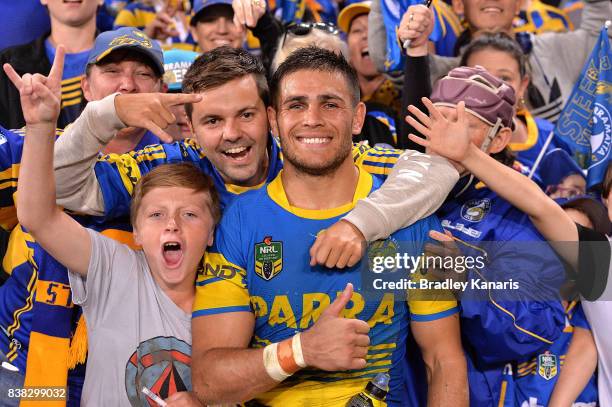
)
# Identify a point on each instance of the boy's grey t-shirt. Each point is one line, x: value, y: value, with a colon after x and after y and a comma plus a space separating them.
x: 137, y: 335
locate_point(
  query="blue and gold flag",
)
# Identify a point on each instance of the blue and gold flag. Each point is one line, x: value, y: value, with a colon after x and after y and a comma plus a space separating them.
x: 586, y: 120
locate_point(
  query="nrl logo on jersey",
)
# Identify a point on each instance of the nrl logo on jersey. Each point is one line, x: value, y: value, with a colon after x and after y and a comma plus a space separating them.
x: 268, y: 258
x: 547, y: 365
x: 475, y: 210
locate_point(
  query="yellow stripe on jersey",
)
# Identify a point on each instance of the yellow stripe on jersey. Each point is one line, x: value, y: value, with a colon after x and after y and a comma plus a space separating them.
x: 72, y: 87
x: 425, y: 303
x: 17, y: 251
x: 237, y: 189
x: 39, y: 366
x: 315, y: 394
x: 134, y: 18
x: 12, y: 354
x: 221, y: 287
x: 276, y: 192
x: 449, y: 17
x: 121, y: 236
x: 8, y: 217
x: 379, y: 161
x: 71, y: 95
x: 71, y: 91
x: 53, y: 293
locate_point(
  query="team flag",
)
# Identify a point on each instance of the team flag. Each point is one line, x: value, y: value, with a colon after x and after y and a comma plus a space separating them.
x: 586, y: 120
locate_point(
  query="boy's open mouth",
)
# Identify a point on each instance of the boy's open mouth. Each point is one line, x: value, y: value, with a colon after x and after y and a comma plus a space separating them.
x: 172, y: 253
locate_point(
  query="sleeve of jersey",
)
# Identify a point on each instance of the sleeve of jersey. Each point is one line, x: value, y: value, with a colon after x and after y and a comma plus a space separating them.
x: 221, y: 286
x: 125, y: 18
x: 377, y: 161
x: 117, y: 174
x: 429, y: 305
x: 509, y: 325
x: 11, y: 146
x: 579, y: 319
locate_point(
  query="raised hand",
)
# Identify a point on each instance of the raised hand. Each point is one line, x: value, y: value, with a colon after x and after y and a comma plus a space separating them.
x: 335, y: 343
x: 448, y: 138
x: 151, y: 110
x: 40, y: 95
x: 162, y: 26
x: 248, y: 12
x: 416, y: 25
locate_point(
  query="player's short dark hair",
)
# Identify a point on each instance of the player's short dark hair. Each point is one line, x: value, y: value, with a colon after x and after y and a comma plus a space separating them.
x: 215, y: 68
x: 316, y: 59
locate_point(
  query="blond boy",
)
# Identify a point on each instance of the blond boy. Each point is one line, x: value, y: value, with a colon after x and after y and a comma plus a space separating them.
x: 137, y: 303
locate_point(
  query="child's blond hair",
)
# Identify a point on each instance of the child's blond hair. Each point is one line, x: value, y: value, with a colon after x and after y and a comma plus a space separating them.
x: 182, y: 175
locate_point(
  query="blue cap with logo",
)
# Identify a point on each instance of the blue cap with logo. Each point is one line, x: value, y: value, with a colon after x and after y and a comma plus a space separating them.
x: 126, y: 37
x: 176, y: 63
x: 199, y: 5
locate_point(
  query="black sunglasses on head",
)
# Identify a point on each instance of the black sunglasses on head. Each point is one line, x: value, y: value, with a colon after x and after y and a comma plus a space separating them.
x: 301, y: 29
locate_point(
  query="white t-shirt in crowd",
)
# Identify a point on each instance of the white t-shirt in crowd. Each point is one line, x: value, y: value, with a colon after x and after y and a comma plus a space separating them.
x: 596, y: 267
x: 137, y: 335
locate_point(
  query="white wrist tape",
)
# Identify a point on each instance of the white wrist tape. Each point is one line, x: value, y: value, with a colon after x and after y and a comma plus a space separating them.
x: 298, y: 356
x: 271, y: 364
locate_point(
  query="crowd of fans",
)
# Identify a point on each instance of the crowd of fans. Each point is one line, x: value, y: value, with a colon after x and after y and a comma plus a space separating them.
x: 194, y: 194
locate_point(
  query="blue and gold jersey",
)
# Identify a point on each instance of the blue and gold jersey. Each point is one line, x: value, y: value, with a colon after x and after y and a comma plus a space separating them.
x: 496, y: 329
x: 117, y: 174
x: 139, y: 15
x: 72, y: 94
x: 538, y: 131
x: 260, y: 264
x: 37, y: 317
x: 11, y: 147
x: 541, y: 17
x: 535, y: 378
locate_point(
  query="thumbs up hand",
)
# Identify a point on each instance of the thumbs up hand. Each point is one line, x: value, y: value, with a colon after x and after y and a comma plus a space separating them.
x: 335, y: 343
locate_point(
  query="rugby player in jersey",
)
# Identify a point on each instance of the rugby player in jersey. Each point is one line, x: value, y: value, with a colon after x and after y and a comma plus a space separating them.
x: 267, y: 325
x: 234, y: 146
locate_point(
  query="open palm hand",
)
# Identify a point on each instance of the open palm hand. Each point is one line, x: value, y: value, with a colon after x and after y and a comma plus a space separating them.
x: 448, y: 138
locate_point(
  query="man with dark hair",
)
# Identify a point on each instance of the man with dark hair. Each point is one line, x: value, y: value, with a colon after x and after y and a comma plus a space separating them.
x: 234, y: 146
x: 291, y: 313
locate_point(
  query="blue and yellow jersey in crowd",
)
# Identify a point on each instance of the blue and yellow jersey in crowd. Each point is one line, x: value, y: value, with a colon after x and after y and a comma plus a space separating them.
x: 72, y: 94
x: 260, y: 264
x: 118, y: 174
x: 37, y: 317
x: 139, y: 15
x: 541, y: 17
x: 449, y: 26
x: 499, y: 327
x: 535, y: 378
x: 538, y: 131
